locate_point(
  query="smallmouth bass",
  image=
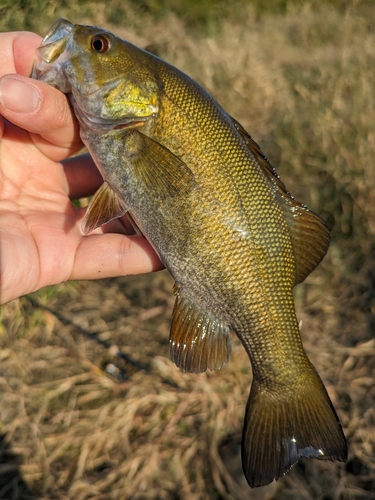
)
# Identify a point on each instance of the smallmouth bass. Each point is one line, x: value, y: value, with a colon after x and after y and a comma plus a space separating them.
x: 236, y: 242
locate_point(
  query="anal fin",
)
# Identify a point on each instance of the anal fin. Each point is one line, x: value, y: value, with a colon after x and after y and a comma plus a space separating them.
x: 197, y: 340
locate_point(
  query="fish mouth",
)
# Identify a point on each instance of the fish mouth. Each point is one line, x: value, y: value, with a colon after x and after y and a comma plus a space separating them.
x: 54, y: 44
x: 59, y: 29
x: 51, y: 55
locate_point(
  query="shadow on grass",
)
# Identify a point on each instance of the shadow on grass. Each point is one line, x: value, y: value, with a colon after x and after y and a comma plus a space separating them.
x: 12, y: 486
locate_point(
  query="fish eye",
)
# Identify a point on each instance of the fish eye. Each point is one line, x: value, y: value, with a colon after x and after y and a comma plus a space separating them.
x: 100, y: 43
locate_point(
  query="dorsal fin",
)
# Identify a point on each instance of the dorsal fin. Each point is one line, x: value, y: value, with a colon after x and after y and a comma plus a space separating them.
x: 197, y: 340
x: 309, y: 233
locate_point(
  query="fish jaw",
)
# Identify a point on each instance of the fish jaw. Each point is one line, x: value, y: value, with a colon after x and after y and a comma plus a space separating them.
x: 67, y: 60
x: 52, y: 55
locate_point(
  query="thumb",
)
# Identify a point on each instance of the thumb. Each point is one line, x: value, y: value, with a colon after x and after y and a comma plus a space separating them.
x: 43, y: 111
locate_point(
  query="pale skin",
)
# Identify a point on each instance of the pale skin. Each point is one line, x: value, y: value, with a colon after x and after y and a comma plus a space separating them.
x: 41, y: 242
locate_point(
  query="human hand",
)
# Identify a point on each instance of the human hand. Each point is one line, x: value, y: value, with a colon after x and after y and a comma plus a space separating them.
x: 41, y: 242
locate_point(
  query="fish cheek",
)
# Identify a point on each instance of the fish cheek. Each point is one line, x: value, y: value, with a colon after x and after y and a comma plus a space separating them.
x: 131, y: 99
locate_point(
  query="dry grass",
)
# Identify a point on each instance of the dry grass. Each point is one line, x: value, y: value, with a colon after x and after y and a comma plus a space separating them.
x: 91, y: 405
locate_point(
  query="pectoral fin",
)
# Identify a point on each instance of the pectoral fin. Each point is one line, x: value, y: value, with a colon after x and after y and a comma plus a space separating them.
x: 104, y: 206
x: 197, y: 340
x: 159, y: 170
x: 308, y: 232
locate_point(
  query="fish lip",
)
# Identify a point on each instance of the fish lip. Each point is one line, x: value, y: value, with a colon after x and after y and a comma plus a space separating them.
x: 48, y: 52
x: 59, y: 29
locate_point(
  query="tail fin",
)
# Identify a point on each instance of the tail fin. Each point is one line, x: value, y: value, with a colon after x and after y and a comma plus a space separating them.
x: 284, y: 424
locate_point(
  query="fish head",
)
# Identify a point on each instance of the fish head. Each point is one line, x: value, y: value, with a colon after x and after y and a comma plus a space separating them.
x: 108, y: 84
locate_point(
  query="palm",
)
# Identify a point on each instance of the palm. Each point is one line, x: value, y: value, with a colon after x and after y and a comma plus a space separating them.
x: 39, y: 229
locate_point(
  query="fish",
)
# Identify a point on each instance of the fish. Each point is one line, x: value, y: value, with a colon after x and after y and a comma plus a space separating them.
x: 195, y: 184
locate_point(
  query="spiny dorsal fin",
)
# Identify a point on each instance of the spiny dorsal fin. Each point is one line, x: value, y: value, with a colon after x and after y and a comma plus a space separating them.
x: 197, y: 340
x: 160, y: 170
x: 285, y: 423
x: 308, y: 232
x: 105, y: 205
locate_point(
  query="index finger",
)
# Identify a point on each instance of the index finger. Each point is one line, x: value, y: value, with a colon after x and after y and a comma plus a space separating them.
x: 18, y: 52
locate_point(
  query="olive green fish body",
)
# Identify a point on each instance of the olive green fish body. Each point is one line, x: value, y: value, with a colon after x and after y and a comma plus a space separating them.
x: 201, y: 191
x: 221, y: 249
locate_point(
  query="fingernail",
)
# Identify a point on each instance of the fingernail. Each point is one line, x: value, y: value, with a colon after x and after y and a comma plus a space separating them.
x: 18, y: 96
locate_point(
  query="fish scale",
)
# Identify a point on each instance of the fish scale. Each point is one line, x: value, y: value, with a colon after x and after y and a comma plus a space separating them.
x: 198, y: 187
